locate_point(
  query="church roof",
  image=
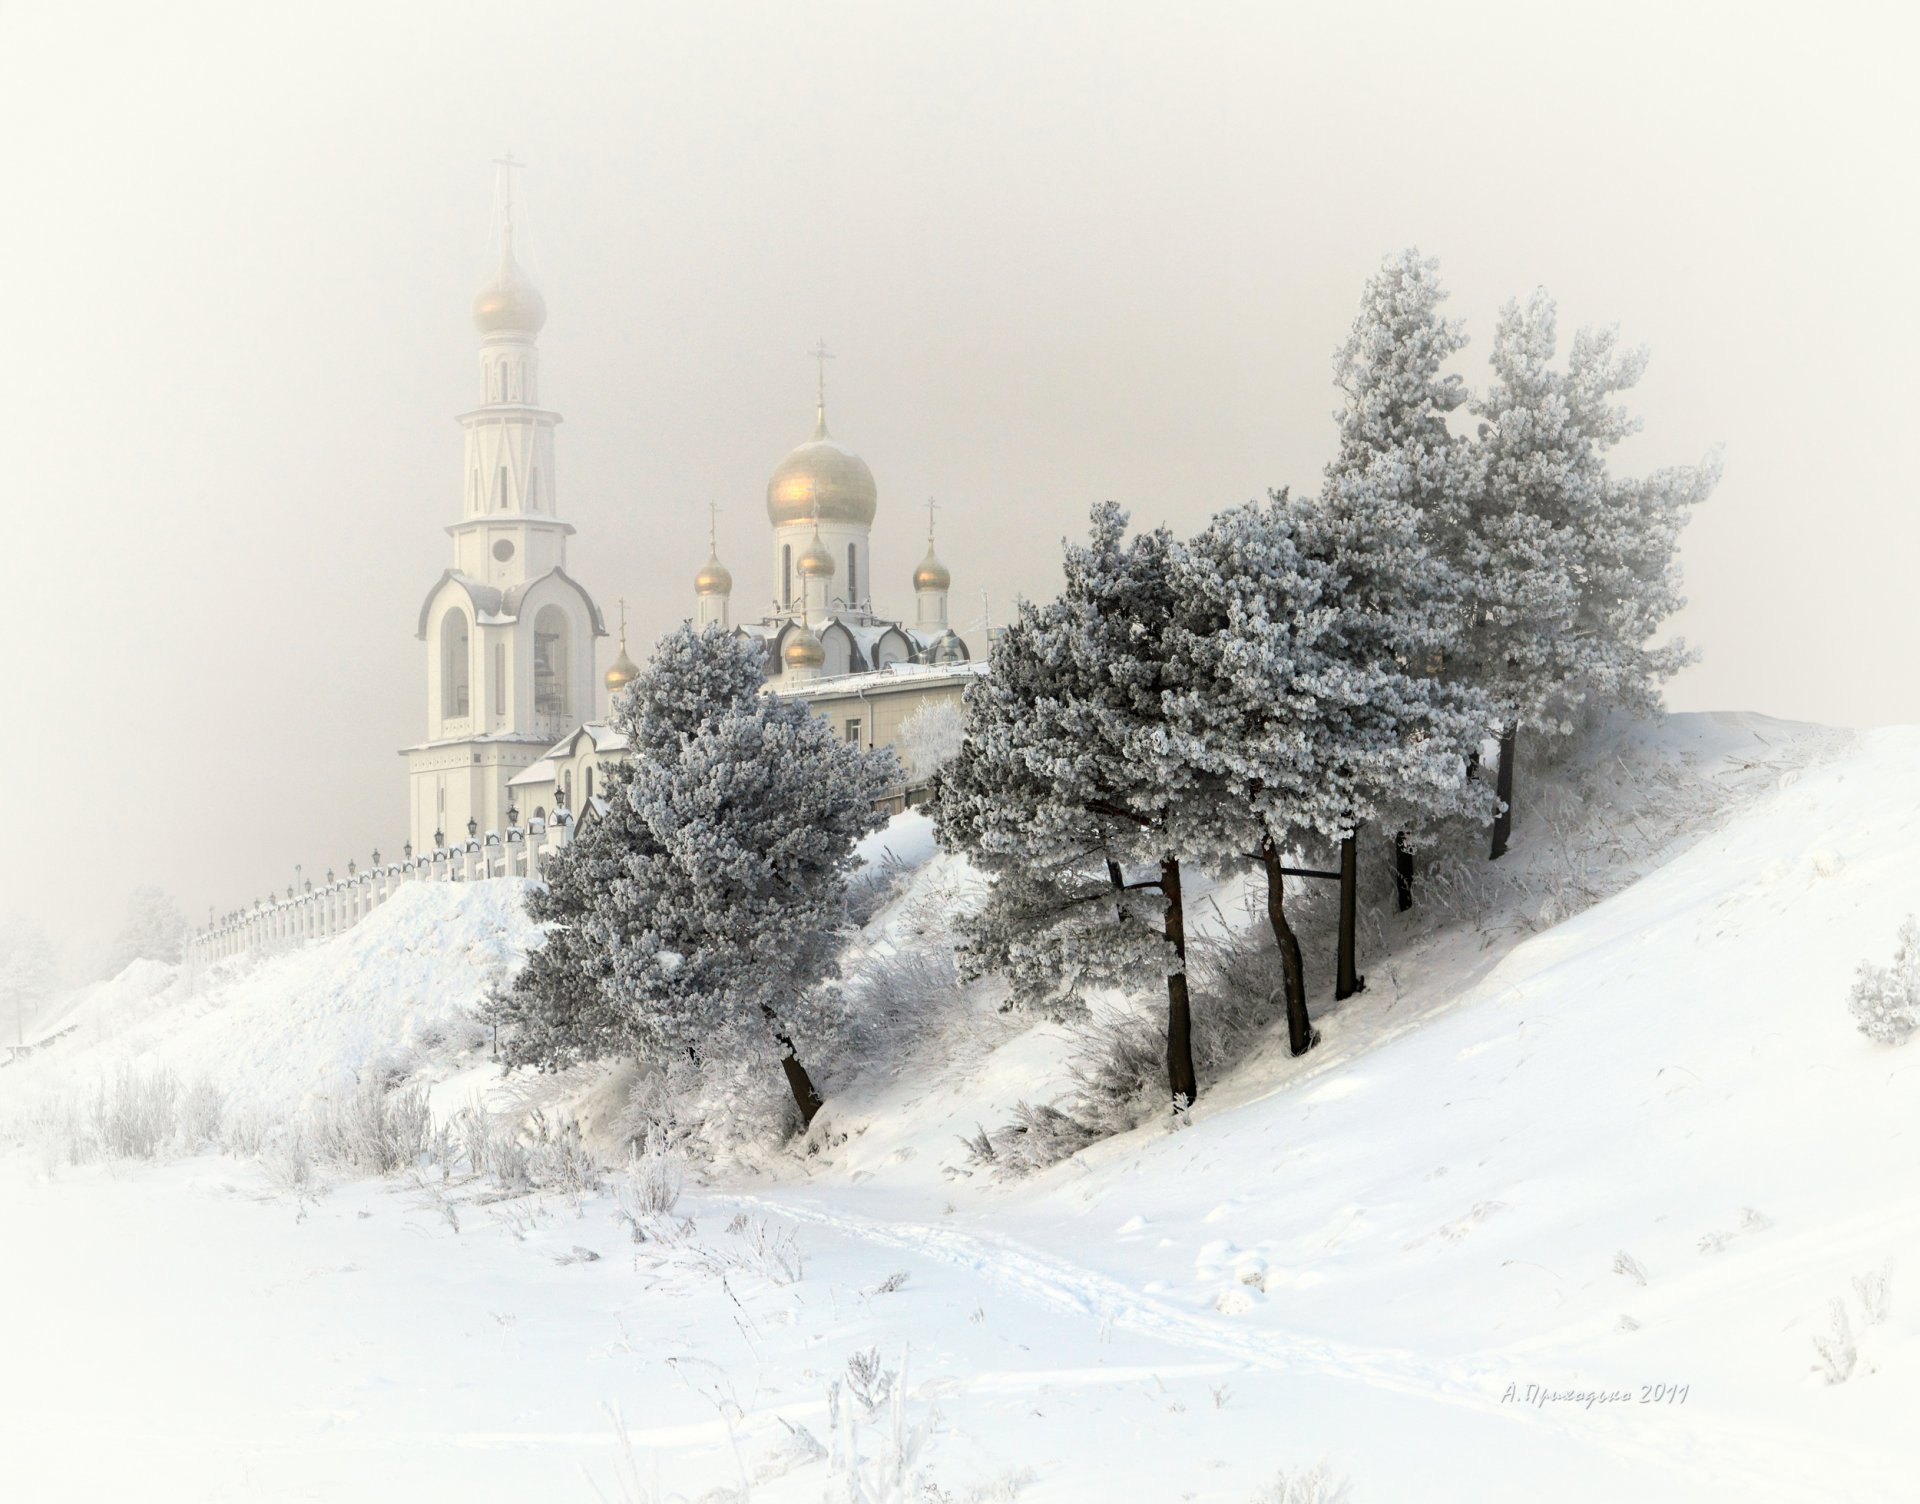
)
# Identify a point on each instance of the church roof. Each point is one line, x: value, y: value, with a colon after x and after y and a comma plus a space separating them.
x: 494, y: 607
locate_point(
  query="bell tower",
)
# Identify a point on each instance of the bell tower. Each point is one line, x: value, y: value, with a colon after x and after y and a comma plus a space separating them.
x: 509, y: 634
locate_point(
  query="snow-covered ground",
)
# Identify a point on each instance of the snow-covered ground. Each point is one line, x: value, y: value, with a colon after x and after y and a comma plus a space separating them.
x: 1639, y: 1151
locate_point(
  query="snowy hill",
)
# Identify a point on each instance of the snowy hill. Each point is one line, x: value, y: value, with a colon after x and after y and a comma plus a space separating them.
x: 1613, y: 1135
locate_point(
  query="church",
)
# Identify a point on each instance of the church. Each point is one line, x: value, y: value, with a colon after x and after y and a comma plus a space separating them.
x: 516, y: 719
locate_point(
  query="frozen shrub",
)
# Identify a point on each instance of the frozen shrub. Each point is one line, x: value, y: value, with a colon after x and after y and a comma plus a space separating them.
x: 1037, y: 1137
x: 1871, y: 1290
x: 1886, y: 999
x: 372, y: 1130
x: 134, y: 1114
x: 1317, y: 1485
x: 1836, y: 1349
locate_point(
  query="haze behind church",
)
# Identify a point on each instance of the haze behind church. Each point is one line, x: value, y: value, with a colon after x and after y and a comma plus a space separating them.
x: 1062, y: 253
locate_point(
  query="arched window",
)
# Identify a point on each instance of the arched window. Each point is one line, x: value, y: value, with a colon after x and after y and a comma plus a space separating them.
x: 853, y: 579
x: 589, y: 781
x: 499, y: 680
x: 456, y: 665
x: 503, y: 488
x: 786, y: 574
x: 550, y: 663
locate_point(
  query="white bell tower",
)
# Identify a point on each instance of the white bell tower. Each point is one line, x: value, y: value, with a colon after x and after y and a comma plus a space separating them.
x: 509, y: 634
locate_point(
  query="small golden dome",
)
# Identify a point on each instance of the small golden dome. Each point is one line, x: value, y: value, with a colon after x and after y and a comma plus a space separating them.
x: 803, y: 650
x: 509, y: 303
x: 821, y: 482
x: 932, y: 574
x: 621, y: 672
x: 713, y: 578
x: 816, y: 562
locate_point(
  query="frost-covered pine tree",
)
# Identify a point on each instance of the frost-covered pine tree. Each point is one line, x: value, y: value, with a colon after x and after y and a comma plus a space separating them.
x: 725, y: 930
x: 1392, y: 524
x: 1569, y: 570
x: 557, y: 1013
x: 1069, y: 774
x: 1264, y: 709
x: 28, y: 975
x: 155, y: 930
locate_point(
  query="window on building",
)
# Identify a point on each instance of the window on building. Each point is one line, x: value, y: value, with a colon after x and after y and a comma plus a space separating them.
x: 455, y: 665
x: 499, y: 680
x: 853, y: 732
x: 589, y: 782
x: 503, y: 488
x: 853, y: 579
x: 533, y: 490
x: 550, y: 675
x: 786, y: 574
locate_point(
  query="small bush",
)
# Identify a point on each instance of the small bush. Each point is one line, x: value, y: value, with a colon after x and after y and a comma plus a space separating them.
x: 1885, y: 1001
x: 1317, y: 1485
x: 372, y: 1130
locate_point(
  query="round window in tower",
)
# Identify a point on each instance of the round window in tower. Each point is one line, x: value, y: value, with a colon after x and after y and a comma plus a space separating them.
x: 503, y: 550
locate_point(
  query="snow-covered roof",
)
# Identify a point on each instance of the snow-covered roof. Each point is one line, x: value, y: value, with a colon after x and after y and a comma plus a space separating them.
x: 896, y: 676
x: 541, y: 772
x: 493, y: 607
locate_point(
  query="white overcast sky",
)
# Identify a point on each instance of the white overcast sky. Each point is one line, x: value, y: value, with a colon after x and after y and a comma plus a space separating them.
x: 1063, y: 252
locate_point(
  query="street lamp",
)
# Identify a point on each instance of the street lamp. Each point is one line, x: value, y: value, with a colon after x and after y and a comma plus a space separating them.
x: 407, y: 850
x: 439, y: 838
x: 513, y: 814
x: 473, y: 828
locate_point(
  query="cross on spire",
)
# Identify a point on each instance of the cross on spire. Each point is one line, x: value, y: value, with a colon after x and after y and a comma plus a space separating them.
x: 713, y: 528
x: 821, y: 355
x: 931, y: 504
x: 507, y: 165
x: 623, y: 623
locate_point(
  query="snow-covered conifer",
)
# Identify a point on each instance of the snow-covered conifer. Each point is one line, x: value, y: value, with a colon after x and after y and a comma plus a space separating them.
x: 28, y: 974
x: 1069, y: 774
x: 1570, y: 570
x: 558, y: 1013
x: 1391, y: 525
x: 155, y: 930
x: 702, y: 917
x: 724, y: 931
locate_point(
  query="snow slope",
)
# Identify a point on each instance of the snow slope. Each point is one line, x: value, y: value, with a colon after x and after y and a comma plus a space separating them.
x: 1641, y: 1146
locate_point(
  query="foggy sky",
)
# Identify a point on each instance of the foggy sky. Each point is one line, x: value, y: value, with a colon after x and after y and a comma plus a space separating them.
x: 1062, y: 252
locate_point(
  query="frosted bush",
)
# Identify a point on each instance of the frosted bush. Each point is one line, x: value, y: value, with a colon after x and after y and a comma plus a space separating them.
x: 1037, y: 1137
x: 1317, y: 1485
x: 134, y: 1114
x: 1836, y: 1350
x: 372, y: 1130
x: 1885, y: 1001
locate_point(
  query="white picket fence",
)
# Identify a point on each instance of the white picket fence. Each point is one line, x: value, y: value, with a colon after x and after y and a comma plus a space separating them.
x: 330, y: 907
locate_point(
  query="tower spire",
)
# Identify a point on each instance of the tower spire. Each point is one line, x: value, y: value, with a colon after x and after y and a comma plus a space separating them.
x: 821, y: 356
x: 508, y: 165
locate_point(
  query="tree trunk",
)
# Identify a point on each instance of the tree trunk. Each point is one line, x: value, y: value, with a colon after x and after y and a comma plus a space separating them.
x: 798, y: 1081
x: 1503, y: 790
x: 1402, y: 873
x: 1181, y: 1080
x: 1347, y: 980
x: 1301, y: 1034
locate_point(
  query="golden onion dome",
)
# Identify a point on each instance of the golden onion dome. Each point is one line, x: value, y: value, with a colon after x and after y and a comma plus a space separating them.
x: 621, y: 672
x: 821, y: 481
x: 815, y: 562
x: 509, y: 303
x: 932, y: 574
x: 803, y: 650
x: 713, y: 578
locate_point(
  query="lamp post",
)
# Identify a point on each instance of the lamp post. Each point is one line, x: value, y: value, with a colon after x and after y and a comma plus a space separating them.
x: 473, y: 827
x: 513, y: 814
x: 439, y: 839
